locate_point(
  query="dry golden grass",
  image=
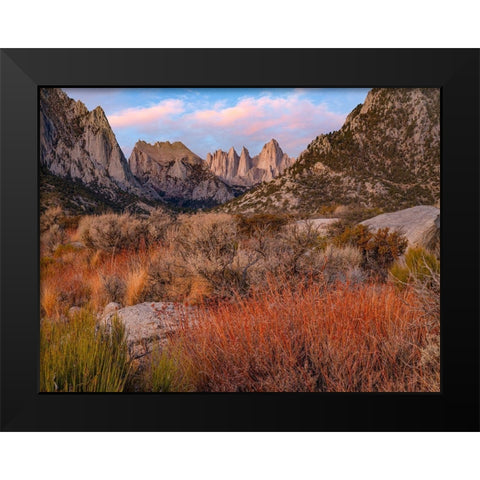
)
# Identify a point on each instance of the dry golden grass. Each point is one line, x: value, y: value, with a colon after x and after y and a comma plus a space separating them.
x: 93, y: 278
x: 365, y: 338
x: 48, y: 299
x: 135, y: 284
x: 200, y: 290
x: 198, y: 257
x: 278, y: 311
x: 99, y: 297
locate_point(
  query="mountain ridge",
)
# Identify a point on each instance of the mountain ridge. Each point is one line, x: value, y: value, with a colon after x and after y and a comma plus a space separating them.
x: 387, y: 155
x: 80, y: 147
x: 177, y: 175
x: 79, y: 144
x: 244, y: 170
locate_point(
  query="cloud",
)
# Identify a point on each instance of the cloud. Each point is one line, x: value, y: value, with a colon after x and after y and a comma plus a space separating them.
x: 137, y: 117
x: 294, y: 119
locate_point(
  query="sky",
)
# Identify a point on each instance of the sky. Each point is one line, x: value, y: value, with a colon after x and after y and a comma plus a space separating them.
x: 208, y: 119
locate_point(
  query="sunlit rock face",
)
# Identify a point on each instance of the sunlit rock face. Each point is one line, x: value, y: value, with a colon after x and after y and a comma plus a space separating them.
x: 247, y: 171
x: 79, y: 145
x: 176, y: 174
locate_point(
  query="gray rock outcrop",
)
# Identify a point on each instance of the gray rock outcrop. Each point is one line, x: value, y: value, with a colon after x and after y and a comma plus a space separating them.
x: 272, y: 160
x: 177, y: 174
x: 246, y: 171
x: 79, y: 145
x: 223, y: 164
x: 112, y: 307
x: 420, y: 225
x: 148, y: 324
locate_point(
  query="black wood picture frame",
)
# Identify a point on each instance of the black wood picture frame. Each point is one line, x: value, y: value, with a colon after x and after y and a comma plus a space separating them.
x: 455, y: 71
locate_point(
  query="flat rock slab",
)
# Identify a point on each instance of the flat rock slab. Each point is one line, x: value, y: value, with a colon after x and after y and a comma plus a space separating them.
x: 148, y: 324
x: 420, y: 225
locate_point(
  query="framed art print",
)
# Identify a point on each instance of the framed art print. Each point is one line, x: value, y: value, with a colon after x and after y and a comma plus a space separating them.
x: 239, y: 239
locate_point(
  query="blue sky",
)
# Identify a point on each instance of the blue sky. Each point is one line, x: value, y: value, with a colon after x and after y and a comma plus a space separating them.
x: 206, y: 119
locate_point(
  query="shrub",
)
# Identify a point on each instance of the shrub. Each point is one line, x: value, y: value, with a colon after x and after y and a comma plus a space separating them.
x: 418, y: 265
x: 52, y: 238
x: 64, y: 281
x: 69, y: 222
x: 329, y: 210
x: 65, y: 249
x: 50, y: 217
x: 208, y: 246
x: 114, y: 288
x: 250, y: 225
x: 46, y: 263
x: 78, y: 355
x: 353, y: 214
x: 111, y: 232
x: 161, y: 273
x: 294, y: 253
x: 379, y: 249
x: 157, y: 225
x: 342, y: 263
x: 299, y: 248
x: 421, y: 270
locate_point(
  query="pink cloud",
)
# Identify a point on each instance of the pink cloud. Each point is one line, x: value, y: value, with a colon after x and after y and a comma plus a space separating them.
x: 294, y: 121
x: 265, y: 111
x: 223, y: 117
x: 147, y: 115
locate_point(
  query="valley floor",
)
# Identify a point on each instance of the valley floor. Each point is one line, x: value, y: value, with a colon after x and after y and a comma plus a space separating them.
x: 214, y: 302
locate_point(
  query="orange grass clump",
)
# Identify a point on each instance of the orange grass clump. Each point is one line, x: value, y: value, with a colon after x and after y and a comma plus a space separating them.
x: 135, y: 284
x: 48, y: 300
x: 78, y: 278
x: 362, y: 338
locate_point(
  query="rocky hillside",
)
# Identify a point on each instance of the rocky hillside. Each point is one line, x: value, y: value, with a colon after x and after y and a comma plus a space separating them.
x: 177, y: 175
x: 386, y: 155
x: 246, y: 171
x: 83, y: 169
x: 79, y: 145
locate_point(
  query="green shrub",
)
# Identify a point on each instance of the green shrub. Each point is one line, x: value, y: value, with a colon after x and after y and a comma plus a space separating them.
x: 166, y: 373
x: 418, y: 265
x: 79, y: 355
